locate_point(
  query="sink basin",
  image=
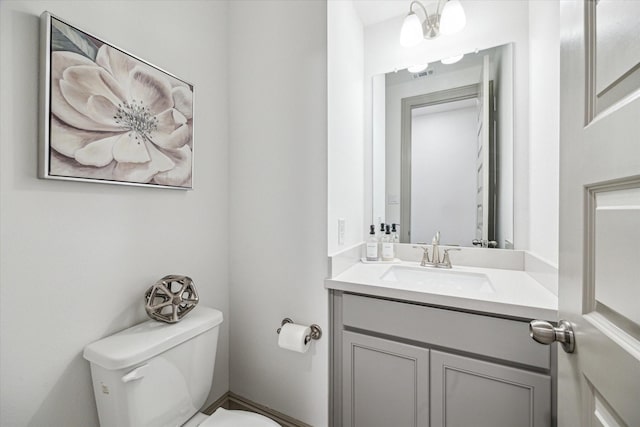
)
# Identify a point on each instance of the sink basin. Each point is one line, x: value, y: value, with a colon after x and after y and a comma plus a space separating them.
x: 431, y: 279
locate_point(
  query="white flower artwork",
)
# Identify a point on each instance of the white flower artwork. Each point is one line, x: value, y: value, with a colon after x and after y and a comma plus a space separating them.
x: 111, y: 116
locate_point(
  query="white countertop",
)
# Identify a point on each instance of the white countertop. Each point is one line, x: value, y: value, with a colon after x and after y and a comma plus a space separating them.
x: 514, y: 292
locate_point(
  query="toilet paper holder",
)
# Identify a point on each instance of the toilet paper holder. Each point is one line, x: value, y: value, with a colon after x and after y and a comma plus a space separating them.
x: 315, y: 334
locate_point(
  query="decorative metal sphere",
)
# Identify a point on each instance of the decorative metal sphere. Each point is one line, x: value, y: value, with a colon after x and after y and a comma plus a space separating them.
x: 171, y: 298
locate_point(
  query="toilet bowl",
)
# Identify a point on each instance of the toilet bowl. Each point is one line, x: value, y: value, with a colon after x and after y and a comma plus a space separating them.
x: 225, y: 418
x: 159, y: 375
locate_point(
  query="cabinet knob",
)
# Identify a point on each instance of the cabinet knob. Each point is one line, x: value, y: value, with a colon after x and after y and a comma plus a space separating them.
x: 545, y: 333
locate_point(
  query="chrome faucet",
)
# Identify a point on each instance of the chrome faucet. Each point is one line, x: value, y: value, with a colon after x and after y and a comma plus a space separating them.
x: 434, y: 260
x: 435, y: 249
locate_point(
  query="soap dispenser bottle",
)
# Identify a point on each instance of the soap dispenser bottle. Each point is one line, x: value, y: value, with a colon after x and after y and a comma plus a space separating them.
x: 394, y: 234
x: 372, y: 244
x: 380, y: 236
x: 387, y: 246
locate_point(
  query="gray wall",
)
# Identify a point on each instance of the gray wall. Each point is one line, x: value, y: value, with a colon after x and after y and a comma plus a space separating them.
x: 278, y: 201
x: 345, y: 91
x: 77, y: 257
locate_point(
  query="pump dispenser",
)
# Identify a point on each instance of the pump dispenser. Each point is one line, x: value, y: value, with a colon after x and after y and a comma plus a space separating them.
x: 394, y: 234
x: 380, y: 236
x: 387, y: 246
x: 372, y: 244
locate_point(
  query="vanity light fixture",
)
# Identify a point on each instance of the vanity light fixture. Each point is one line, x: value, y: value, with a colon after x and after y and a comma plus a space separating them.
x: 452, y: 59
x: 417, y: 68
x: 448, y: 18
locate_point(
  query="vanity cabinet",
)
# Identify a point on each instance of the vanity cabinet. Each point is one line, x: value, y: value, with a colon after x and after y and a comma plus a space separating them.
x: 386, y: 382
x: 472, y: 392
x: 403, y: 364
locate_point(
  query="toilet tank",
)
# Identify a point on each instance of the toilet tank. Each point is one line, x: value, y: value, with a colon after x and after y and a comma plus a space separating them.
x: 154, y: 373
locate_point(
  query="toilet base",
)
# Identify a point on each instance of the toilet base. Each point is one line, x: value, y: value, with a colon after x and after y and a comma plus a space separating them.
x: 226, y: 418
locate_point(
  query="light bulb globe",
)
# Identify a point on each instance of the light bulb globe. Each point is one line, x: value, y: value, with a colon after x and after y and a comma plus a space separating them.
x: 411, y: 33
x: 417, y: 68
x: 452, y: 59
x: 453, y: 18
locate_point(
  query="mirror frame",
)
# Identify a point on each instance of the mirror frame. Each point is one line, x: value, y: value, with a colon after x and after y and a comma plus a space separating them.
x: 506, y: 157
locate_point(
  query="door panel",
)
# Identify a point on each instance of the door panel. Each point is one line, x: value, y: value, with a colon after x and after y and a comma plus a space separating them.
x: 385, y: 383
x: 615, y: 45
x: 599, y: 266
x: 470, y: 392
x: 616, y: 243
x: 602, y: 415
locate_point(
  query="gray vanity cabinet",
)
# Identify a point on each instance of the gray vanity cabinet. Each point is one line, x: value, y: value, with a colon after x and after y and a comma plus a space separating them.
x: 472, y: 392
x: 397, y: 364
x: 386, y: 383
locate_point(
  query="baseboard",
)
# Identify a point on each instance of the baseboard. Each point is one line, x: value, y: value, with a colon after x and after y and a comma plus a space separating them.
x: 234, y: 402
x: 222, y: 402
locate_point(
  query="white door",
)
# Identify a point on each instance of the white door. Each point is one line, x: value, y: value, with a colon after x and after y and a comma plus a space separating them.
x: 482, y: 155
x: 599, y: 292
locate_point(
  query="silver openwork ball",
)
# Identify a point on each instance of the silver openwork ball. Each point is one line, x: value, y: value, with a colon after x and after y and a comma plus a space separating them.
x: 171, y: 298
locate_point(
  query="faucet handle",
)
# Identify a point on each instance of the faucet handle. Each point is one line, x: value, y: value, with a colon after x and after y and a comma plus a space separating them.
x: 425, y: 254
x: 446, y: 261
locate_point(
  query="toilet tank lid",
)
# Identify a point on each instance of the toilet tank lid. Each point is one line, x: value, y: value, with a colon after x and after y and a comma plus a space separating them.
x: 148, y: 339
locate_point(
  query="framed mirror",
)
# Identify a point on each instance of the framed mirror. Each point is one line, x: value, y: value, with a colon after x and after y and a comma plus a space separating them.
x: 443, y: 150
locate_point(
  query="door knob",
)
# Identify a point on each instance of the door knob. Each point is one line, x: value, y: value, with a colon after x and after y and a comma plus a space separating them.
x: 485, y: 243
x: 545, y: 333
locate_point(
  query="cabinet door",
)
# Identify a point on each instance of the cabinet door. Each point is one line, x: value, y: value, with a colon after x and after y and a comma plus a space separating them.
x: 385, y: 383
x: 469, y: 392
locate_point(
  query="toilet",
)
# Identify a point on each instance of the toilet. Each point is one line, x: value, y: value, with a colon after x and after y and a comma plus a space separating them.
x: 159, y: 374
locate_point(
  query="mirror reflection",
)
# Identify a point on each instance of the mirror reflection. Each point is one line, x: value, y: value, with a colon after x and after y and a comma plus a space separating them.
x: 443, y: 150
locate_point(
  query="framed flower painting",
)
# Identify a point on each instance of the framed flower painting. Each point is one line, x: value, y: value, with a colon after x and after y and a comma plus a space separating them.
x: 108, y: 116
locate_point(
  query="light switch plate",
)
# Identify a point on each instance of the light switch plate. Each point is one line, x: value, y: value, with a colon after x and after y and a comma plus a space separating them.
x: 341, y: 227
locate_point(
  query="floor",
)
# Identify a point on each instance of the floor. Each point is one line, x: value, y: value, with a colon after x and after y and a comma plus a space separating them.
x: 232, y: 401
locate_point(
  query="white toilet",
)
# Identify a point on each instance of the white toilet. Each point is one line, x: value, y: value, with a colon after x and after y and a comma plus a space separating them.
x: 158, y: 374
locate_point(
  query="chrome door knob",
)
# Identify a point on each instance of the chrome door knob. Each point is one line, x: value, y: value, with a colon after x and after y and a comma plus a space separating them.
x: 545, y: 333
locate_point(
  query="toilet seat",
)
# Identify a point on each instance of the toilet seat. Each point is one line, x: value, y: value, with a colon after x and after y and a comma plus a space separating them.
x: 225, y: 418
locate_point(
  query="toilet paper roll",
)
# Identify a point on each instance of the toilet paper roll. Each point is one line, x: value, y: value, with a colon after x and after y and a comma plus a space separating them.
x: 292, y: 337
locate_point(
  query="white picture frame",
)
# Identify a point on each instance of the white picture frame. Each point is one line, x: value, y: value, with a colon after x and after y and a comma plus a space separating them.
x: 108, y: 116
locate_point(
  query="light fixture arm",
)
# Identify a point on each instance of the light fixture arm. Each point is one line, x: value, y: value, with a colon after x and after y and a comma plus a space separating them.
x: 430, y: 28
x: 424, y: 9
x: 427, y: 26
x: 448, y: 16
